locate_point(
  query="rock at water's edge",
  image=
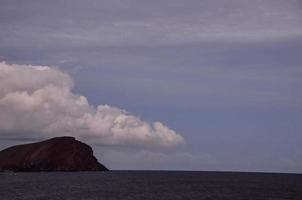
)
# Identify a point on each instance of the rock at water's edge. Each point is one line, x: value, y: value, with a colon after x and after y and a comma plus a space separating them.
x: 56, y: 154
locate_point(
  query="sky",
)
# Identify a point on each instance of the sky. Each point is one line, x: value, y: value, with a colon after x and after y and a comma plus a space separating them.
x: 157, y: 85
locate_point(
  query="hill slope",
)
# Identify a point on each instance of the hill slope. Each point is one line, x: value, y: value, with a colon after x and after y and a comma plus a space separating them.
x: 56, y: 154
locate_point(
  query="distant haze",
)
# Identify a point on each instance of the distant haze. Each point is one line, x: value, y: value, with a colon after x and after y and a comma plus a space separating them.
x: 164, y: 84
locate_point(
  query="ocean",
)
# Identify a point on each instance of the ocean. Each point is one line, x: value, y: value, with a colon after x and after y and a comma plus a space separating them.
x: 153, y: 185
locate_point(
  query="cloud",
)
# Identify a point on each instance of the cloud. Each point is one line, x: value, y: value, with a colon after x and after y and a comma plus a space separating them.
x: 116, y: 23
x: 38, y: 101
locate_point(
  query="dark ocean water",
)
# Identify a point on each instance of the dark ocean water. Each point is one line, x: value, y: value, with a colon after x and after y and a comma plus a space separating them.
x: 150, y: 185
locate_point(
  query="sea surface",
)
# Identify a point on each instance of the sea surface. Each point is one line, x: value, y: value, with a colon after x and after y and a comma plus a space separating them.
x: 145, y: 185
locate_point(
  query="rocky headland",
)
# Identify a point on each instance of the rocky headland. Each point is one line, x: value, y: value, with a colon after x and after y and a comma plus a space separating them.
x: 56, y: 154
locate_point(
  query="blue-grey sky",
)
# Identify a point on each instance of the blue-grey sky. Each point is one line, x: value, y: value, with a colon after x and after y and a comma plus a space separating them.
x: 226, y: 75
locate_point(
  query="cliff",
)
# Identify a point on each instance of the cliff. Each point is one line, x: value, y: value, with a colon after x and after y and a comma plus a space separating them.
x: 56, y: 154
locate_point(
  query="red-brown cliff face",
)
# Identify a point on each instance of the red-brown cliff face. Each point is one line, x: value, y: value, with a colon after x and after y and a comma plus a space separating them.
x: 56, y: 154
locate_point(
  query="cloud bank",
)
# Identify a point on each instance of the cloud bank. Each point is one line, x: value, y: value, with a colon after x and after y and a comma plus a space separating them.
x: 116, y: 23
x: 38, y: 101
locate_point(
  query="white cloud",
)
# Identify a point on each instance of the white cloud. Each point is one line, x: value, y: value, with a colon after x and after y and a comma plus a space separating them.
x: 38, y: 100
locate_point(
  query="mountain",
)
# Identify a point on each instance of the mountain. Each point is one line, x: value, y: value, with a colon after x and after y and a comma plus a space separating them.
x: 56, y: 154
